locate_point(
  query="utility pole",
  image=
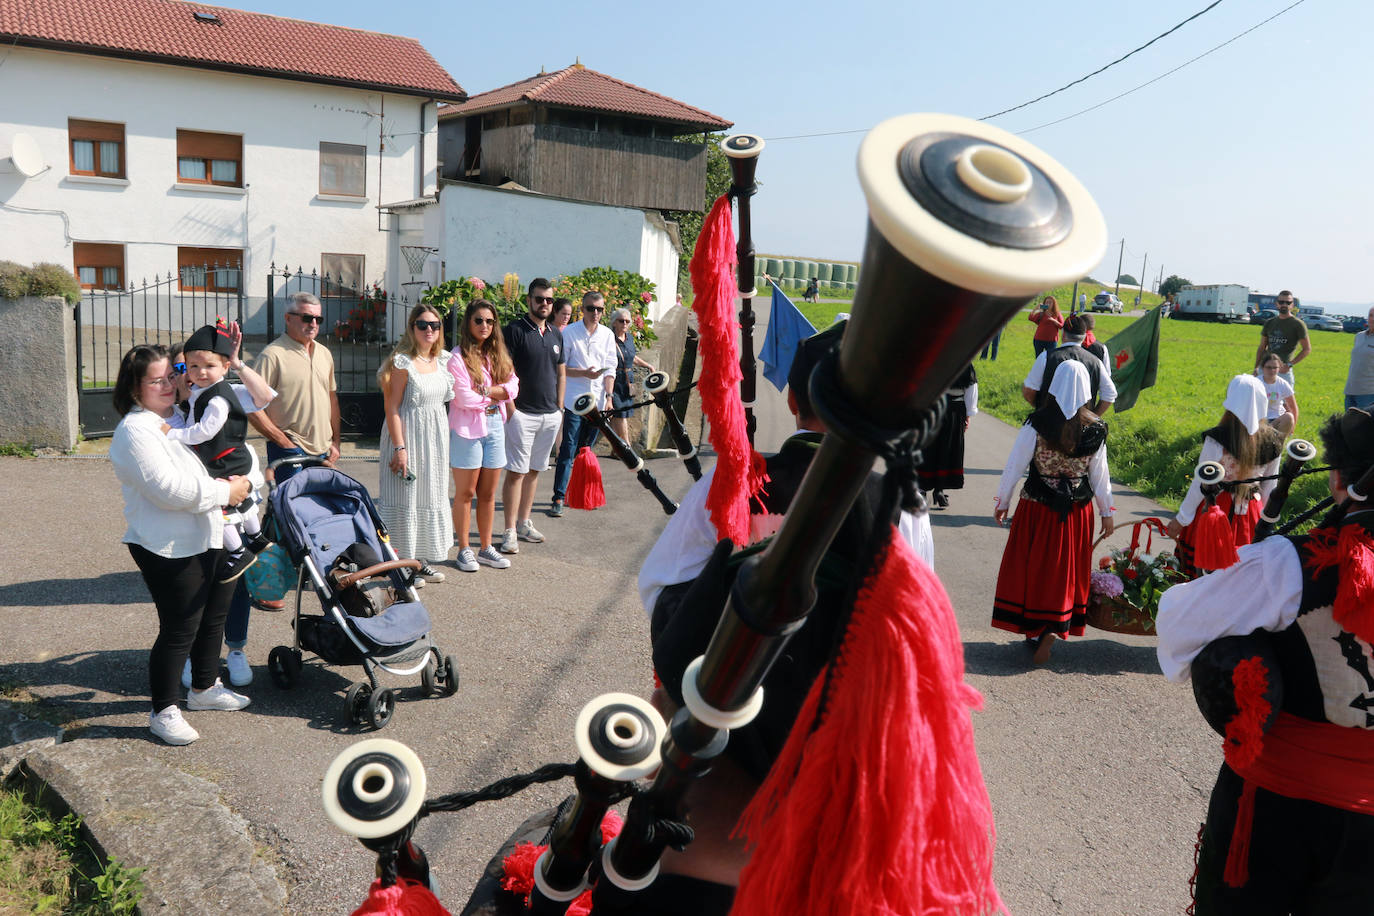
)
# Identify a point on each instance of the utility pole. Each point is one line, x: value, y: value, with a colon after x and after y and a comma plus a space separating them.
x: 1141, y: 303
x: 1160, y: 281
x: 1119, y: 258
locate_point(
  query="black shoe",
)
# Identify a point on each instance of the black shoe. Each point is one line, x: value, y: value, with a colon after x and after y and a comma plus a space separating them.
x: 941, y: 500
x: 236, y: 564
x: 259, y: 542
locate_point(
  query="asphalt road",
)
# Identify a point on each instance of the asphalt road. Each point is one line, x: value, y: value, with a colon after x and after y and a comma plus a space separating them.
x: 1098, y: 769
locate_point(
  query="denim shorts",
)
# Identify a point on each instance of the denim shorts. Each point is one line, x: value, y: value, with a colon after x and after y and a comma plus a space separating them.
x: 487, y: 452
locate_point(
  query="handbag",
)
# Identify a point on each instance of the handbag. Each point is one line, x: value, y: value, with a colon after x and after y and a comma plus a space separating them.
x: 272, y: 576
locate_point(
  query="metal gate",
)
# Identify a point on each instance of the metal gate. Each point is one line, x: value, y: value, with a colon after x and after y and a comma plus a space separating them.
x: 355, y: 331
x: 111, y: 321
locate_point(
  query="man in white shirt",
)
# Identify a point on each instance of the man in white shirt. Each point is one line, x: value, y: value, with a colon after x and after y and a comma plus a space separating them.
x: 589, y: 347
x: 1035, y: 389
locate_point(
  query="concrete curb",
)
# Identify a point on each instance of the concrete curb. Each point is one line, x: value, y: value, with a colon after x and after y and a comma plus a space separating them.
x: 199, y: 854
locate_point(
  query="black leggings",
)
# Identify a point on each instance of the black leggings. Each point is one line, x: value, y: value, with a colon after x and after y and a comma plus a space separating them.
x: 191, y: 607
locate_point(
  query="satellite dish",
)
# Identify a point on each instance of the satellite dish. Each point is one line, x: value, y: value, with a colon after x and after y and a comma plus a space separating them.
x: 24, y: 157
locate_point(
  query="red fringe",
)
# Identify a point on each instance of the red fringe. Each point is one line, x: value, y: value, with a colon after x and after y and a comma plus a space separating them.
x: 404, y: 898
x: 1213, y: 540
x: 1245, y: 731
x: 1353, y: 551
x: 739, y: 469
x: 585, y: 490
x: 519, y: 867
x: 1237, y: 871
x: 904, y: 789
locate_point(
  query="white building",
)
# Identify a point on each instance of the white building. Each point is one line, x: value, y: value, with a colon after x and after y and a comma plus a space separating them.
x: 170, y: 136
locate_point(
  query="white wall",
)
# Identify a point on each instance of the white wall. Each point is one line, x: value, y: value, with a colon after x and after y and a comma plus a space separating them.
x: 489, y: 232
x: 277, y: 217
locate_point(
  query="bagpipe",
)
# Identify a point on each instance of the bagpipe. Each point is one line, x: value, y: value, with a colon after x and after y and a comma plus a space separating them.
x: 585, y: 490
x: 967, y: 223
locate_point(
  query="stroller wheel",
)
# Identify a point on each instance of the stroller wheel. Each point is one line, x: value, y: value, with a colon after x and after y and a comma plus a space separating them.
x: 380, y: 706
x: 356, y: 701
x: 429, y: 678
x: 448, y: 684
x: 285, y: 667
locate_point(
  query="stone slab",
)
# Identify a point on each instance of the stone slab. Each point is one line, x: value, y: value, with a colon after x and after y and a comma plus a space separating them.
x: 21, y: 736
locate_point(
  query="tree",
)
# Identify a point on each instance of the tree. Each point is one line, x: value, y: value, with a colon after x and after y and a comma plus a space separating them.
x: 718, y: 179
x: 1173, y: 285
x: 1128, y: 280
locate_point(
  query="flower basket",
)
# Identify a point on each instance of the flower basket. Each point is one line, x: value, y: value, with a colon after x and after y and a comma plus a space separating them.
x: 1125, y: 589
x: 1117, y: 616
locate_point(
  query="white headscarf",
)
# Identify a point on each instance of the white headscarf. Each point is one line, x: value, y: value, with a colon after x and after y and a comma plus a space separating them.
x: 1070, y: 387
x: 1246, y: 398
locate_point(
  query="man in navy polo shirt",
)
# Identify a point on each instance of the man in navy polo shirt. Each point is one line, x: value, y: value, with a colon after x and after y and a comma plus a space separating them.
x: 536, y: 349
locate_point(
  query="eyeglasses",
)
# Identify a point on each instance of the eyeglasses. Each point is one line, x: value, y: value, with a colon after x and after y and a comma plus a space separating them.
x: 179, y: 368
x: 622, y: 321
x: 478, y: 320
x: 542, y: 300
x: 161, y: 382
x: 422, y: 325
x: 593, y: 308
x: 1284, y: 301
x: 307, y: 319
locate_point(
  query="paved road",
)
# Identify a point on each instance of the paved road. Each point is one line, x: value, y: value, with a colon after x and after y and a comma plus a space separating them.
x: 1097, y: 768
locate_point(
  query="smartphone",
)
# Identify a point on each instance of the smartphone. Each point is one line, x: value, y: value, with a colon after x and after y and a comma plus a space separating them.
x: 408, y: 476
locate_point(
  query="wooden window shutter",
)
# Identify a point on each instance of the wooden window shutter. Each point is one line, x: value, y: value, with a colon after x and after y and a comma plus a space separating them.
x: 201, y: 144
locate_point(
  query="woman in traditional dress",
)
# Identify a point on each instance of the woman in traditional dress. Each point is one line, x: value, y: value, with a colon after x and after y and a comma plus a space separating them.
x: 414, y: 448
x: 1246, y: 447
x: 942, y: 461
x: 1042, y: 586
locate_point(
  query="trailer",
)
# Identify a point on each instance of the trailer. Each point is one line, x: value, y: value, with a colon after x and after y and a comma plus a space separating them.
x: 1219, y: 302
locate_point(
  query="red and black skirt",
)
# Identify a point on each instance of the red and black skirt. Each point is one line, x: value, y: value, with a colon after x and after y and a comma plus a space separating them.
x: 1242, y: 530
x: 1044, y: 578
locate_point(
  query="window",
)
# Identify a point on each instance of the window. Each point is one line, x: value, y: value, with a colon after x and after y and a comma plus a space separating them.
x: 97, y: 148
x: 206, y: 158
x: 343, y: 169
x: 209, y: 270
x: 342, y: 274
x: 98, y: 266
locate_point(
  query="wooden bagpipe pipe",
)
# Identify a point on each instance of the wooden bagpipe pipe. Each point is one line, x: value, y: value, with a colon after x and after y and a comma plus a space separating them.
x: 967, y: 223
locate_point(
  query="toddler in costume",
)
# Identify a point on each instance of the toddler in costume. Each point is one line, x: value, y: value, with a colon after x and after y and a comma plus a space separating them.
x: 214, y: 426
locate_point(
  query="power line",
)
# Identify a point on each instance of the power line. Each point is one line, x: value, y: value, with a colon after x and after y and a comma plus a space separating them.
x: 1200, y: 12
x: 1162, y: 75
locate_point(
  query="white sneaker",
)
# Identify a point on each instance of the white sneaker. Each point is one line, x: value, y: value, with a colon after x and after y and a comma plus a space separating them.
x: 489, y: 557
x: 217, y: 697
x: 240, y: 672
x: 527, y: 532
x: 467, y: 561
x: 186, y: 675
x: 171, y: 727
x: 429, y: 573
x: 509, y: 543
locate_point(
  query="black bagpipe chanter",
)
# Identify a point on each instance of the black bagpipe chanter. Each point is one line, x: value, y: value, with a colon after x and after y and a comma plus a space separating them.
x: 967, y: 223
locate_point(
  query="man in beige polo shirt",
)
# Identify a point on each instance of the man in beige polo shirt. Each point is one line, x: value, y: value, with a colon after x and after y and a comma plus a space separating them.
x: 301, y: 369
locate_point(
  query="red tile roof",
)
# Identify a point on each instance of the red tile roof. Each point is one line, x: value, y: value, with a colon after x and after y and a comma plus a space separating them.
x: 168, y: 31
x: 578, y: 87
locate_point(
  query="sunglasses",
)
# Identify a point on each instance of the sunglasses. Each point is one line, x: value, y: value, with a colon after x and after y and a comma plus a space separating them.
x: 622, y: 321
x: 423, y: 325
x: 593, y: 308
x: 477, y: 320
x: 542, y: 300
x: 1284, y: 301
x: 307, y: 319
x: 179, y: 368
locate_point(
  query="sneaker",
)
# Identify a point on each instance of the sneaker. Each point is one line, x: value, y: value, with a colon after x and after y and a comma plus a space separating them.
x: 186, y: 674
x: 527, y: 532
x: 429, y: 573
x: 488, y: 556
x: 236, y: 564
x: 467, y: 561
x: 417, y: 582
x: 240, y: 672
x: 259, y: 542
x: 217, y: 697
x: 171, y: 727
x: 556, y: 509
x: 508, y: 542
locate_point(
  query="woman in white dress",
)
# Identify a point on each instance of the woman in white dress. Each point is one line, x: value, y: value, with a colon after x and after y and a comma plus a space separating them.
x: 416, y: 385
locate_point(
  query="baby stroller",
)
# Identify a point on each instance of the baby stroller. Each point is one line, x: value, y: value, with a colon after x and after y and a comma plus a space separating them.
x: 371, y: 615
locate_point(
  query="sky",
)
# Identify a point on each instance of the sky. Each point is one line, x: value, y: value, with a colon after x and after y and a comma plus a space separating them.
x: 1252, y: 165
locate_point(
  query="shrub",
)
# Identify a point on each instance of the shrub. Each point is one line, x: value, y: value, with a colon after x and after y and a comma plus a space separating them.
x: 38, y: 280
x: 14, y: 281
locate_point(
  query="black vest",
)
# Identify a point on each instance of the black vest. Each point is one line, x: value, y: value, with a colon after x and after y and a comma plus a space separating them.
x: 224, y: 453
x: 1052, y: 360
x: 1099, y: 349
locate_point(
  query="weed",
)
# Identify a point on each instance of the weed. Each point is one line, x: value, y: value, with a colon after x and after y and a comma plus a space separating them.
x: 15, y: 450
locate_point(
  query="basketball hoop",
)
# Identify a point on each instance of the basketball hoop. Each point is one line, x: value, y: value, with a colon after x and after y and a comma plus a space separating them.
x: 416, y: 256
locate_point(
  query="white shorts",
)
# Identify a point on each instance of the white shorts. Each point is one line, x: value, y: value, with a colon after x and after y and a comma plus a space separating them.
x: 530, y: 434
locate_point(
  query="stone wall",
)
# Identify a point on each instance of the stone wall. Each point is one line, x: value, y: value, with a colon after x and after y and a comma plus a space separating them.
x: 38, y: 365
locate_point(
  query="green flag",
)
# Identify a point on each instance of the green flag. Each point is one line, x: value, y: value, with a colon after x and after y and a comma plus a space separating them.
x: 1133, y: 357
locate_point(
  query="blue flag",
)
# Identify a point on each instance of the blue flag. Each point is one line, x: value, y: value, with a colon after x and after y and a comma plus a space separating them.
x: 787, y: 328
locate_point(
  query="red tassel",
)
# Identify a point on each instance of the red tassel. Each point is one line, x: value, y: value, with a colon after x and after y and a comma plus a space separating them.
x: 404, y: 898
x: 585, y: 490
x: 739, y: 469
x: 1245, y: 731
x: 904, y: 788
x: 1213, y: 540
x: 1237, y: 871
x: 519, y: 867
x: 1354, y: 606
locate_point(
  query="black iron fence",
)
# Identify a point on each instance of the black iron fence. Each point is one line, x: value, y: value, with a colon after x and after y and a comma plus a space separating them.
x: 165, y: 311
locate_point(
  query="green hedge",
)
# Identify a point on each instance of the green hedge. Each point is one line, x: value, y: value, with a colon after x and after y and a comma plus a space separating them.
x: 17, y: 281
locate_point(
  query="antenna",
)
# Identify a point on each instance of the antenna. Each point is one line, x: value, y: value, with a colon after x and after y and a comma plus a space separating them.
x: 24, y: 157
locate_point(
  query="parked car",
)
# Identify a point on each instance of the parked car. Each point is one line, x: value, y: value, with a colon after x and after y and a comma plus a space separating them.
x: 1322, y: 323
x: 1263, y: 315
x: 1106, y: 302
x: 1354, y: 324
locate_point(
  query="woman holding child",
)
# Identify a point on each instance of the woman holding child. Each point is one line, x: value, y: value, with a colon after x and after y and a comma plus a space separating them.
x: 175, y: 536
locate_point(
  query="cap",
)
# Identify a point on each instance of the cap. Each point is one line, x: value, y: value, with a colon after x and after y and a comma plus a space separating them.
x: 211, y: 337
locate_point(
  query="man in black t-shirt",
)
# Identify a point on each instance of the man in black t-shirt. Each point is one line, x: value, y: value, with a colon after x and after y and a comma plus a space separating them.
x: 1281, y: 336
x: 536, y: 349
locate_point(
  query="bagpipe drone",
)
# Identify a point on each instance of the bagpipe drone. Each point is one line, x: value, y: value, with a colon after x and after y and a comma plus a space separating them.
x: 966, y: 224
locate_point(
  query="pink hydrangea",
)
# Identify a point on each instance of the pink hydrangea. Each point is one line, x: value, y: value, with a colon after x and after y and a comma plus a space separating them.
x: 1108, y: 584
x: 477, y: 283
x: 644, y: 296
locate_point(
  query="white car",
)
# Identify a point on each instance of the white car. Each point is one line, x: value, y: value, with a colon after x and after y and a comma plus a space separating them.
x: 1106, y: 302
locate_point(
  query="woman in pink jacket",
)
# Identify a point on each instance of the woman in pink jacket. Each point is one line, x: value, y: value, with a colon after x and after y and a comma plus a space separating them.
x: 484, y: 387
